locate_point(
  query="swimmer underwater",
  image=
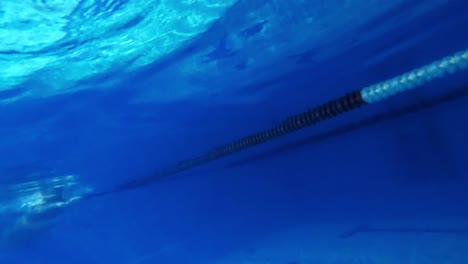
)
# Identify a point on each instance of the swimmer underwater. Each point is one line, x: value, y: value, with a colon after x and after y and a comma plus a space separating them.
x: 34, y: 208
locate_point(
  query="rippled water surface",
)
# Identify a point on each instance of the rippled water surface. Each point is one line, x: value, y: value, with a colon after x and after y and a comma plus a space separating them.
x: 64, y: 46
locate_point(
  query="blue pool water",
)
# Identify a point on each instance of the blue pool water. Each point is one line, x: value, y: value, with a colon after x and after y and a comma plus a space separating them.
x: 128, y: 131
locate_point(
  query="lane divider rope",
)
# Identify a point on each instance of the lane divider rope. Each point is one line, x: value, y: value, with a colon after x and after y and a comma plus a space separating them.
x: 368, y: 95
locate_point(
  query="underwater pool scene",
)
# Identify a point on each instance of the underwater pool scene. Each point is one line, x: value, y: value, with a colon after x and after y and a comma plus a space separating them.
x: 234, y: 131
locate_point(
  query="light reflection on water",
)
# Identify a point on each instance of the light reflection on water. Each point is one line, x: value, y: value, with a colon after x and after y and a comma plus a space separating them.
x: 73, y: 40
x: 66, y: 46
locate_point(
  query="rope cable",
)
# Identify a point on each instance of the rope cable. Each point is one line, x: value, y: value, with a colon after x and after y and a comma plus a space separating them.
x: 351, y: 101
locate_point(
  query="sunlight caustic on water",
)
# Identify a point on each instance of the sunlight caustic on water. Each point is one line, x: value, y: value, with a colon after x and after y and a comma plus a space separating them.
x: 67, y: 46
x: 89, y: 37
